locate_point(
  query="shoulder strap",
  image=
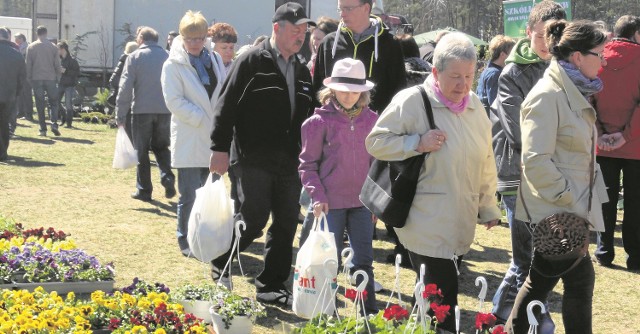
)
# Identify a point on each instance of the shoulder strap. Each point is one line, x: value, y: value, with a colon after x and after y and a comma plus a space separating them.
x: 427, y: 106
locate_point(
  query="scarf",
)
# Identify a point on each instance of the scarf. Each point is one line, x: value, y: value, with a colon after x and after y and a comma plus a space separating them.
x: 201, y: 63
x: 585, y: 85
x: 456, y: 108
x: 351, y: 112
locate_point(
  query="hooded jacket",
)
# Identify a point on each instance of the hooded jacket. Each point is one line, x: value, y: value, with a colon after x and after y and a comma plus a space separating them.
x: 376, y: 49
x: 522, y: 71
x: 334, y: 161
x: 457, y: 183
x: 190, y: 106
x: 253, y: 117
x: 618, y: 103
x: 558, y: 134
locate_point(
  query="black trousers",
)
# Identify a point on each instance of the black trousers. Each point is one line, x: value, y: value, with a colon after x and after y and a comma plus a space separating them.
x: 443, y: 273
x: 611, y: 168
x: 576, y: 300
x: 5, y: 115
x: 259, y: 192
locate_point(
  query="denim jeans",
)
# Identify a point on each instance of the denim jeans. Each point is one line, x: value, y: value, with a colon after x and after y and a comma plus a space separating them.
x: 260, y: 192
x: 514, y: 278
x: 152, y: 131
x: 611, y: 168
x: 67, y: 93
x: 39, y: 89
x: 359, y: 227
x: 576, y: 300
x: 307, y: 224
x: 189, y: 180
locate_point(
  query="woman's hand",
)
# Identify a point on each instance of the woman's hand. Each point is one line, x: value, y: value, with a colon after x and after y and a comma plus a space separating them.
x: 491, y: 223
x: 610, y: 142
x: 320, y: 207
x: 431, y: 141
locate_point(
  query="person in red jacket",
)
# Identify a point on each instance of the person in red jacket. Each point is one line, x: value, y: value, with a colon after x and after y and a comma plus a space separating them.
x: 618, y: 106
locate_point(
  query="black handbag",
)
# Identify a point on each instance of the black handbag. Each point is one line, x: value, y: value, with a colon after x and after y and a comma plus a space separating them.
x: 390, y: 186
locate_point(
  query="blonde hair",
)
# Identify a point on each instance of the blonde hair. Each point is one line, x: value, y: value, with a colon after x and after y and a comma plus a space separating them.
x: 193, y: 23
x: 325, y: 94
x: 130, y: 47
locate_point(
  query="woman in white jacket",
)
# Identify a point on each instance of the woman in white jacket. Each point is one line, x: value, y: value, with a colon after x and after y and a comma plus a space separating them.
x: 191, y: 82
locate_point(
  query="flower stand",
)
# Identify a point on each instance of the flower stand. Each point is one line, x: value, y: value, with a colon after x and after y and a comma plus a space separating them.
x: 63, y: 288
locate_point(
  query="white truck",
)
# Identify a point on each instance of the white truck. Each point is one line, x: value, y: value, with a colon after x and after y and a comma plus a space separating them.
x: 17, y: 25
x: 105, y: 24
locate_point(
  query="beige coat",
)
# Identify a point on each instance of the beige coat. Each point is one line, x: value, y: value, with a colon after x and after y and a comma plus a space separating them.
x: 558, y: 129
x: 457, y: 183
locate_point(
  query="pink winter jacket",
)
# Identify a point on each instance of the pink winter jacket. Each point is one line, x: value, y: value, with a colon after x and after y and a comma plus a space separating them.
x: 334, y: 161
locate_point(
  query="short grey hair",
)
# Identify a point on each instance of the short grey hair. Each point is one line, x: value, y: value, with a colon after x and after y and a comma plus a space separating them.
x: 148, y: 34
x: 453, y: 46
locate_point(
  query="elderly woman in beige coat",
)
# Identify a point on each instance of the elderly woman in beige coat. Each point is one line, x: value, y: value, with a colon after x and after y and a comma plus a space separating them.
x: 558, y: 133
x: 457, y: 182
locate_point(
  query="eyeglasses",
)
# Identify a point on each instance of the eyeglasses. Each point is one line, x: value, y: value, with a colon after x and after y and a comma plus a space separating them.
x: 348, y: 9
x: 194, y: 40
x: 599, y: 55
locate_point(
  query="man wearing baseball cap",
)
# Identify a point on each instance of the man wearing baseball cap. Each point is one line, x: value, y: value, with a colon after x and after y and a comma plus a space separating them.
x: 264, y: 100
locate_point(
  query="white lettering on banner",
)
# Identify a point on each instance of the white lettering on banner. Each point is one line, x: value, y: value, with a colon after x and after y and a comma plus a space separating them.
x: 518, y: 10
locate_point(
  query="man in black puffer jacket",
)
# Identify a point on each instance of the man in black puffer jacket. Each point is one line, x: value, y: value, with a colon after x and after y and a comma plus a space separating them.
x: 12, y: 72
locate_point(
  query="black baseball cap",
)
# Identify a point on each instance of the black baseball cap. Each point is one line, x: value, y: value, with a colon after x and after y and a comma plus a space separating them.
x: 292, y: 12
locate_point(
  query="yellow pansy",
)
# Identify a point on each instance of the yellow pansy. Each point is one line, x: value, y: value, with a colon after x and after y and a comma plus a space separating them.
x: 160, y: 331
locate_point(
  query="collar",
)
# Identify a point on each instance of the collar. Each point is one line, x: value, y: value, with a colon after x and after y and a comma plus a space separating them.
x: 277, y: 52
x: 577, y: 102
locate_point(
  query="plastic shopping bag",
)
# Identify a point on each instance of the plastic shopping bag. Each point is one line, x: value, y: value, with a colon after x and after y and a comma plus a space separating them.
x: 124, y: 156
x: 311, y: 275
x: 210, y: 230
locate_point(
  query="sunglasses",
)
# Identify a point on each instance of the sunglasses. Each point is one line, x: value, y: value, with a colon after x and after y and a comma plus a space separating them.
x: 599, y: 55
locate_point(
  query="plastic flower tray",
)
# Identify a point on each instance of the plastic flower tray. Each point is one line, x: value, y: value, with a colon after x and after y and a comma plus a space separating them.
x: 63, y: 287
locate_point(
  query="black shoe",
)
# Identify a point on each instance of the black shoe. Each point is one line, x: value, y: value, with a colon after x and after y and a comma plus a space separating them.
x: 62, y: 122
x: 604, y: 263
x: 280, y: 297
x: 141, y: 196
x: 633, y: 264
x: 55, y: 131
x: 169, y: 188
x: 42, y: 133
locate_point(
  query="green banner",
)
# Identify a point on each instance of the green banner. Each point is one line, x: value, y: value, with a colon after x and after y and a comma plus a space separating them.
x: 516, y: 15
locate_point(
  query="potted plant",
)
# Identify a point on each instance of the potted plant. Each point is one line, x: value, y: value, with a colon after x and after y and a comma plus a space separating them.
x: 232, y: 313
x: 196, y: 299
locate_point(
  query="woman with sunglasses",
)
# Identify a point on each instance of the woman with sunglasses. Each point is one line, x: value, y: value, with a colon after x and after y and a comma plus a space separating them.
x: 557, y: 123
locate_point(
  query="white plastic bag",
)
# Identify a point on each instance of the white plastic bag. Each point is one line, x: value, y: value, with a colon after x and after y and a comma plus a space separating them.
x: 124, y: 156
x: 310, y: 273
x: 210, y: 230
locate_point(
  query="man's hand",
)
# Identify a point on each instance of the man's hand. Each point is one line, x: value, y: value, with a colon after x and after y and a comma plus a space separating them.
x: 219, y: 162
x: 320, y: 207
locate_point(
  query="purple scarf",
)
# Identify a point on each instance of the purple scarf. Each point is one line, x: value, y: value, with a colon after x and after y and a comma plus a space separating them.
x: 456, y: 108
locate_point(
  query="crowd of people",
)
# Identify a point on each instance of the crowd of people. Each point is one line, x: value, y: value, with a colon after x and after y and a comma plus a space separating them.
x: 553, y: 125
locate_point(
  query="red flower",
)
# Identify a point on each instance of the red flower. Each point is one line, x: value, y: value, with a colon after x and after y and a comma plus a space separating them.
x: 431, y: 292
x: 351, y: 294
x: 485, y: 320
x: 396, y: 312
x: 440, y: 311
x: 498, y: 330
x: 114, y: 323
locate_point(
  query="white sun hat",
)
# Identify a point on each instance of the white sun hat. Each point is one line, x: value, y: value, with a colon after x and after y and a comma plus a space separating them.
x: 348, y: 75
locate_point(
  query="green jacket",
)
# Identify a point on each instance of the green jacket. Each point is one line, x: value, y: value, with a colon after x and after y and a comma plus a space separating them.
x: 558, y: 130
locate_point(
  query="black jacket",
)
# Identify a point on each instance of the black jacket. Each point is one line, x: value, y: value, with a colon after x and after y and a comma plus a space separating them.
x: 72, y: 70
x: 515, y: 82
x: 387, y: 72
x: 253, y: 119
x: 114, y: 81
x: 12, y: 71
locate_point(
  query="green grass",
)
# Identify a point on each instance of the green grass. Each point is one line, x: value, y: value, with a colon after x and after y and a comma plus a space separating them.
x: 67, y: 182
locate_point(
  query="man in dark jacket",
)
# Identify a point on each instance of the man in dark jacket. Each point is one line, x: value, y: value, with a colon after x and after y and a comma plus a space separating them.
x: 618, y: 106
x: 525, y: 66
x: 264, y: 100
x: 364, y: 37
x: 12, y: 72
